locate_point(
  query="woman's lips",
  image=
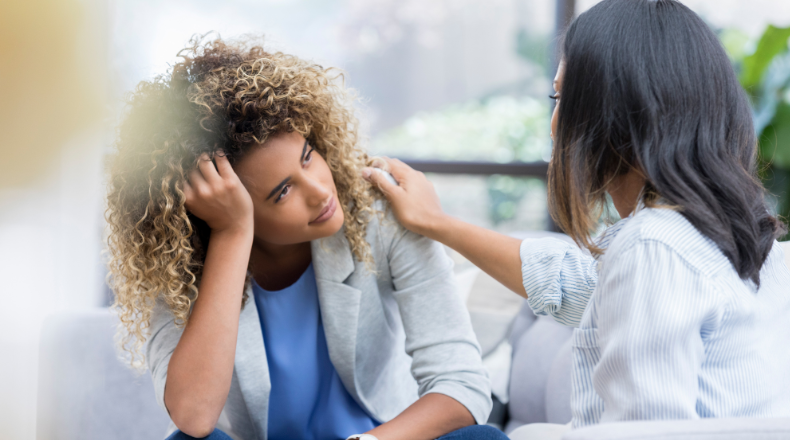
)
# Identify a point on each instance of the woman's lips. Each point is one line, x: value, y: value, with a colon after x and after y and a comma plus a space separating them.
x: 327, y: 212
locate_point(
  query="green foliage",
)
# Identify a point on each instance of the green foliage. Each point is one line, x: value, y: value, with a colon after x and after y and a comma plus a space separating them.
x: 772, y: 43
x: 764, y: 73
x: 775, y: 138
x: 500, y: 129
x: 737, y: 43
x: 775, y: 158
x: 534, y: 48
x: 505, y: 193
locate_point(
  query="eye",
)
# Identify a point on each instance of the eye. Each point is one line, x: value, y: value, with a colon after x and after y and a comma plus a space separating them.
x: 283, y: 193
x: 308, y: 156
x: 555, y: 96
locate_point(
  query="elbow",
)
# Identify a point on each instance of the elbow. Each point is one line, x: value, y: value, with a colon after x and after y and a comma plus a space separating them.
x: 193, y: 421
x: 463, y: 418
x: 198, y: 427
x: 197, y: 431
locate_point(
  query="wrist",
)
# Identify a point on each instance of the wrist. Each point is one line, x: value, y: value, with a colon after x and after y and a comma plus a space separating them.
x: 234, y: 233
x: 437, y: 226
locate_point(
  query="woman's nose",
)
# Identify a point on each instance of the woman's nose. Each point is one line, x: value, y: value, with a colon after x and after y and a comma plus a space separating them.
x: 317, y: 191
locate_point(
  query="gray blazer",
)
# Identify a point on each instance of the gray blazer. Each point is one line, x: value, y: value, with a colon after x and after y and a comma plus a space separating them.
x: 393, y: 336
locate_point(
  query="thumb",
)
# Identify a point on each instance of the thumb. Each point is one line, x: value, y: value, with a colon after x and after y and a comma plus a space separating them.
x: 378, y: 178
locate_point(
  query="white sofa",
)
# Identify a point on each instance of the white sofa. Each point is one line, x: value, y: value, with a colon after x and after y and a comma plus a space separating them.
x: 86, y: 393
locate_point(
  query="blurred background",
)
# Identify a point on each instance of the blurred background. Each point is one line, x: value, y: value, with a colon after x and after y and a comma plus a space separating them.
x: 457, y: 87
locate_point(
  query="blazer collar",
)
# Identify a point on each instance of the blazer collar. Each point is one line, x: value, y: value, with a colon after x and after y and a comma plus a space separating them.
x: 332, y: 258
x: 333, y: 264
x: 252, y: 368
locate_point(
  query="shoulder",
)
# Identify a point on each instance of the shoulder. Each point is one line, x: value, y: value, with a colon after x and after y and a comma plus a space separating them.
x: 381, y: 216
x: 398, y: 248
x: 383, y: 228
x: 674, y: 235
x: 777, y: 265
x: 660, y: 263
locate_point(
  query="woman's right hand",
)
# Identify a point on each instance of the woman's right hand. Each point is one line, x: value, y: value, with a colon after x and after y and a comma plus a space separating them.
x: 217, y: 196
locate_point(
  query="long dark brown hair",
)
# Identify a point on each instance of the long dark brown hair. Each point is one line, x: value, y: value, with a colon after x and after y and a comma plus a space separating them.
x: 648, y: 86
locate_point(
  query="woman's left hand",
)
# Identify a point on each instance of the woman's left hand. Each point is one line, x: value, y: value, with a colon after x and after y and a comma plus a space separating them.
x: 413, y: 200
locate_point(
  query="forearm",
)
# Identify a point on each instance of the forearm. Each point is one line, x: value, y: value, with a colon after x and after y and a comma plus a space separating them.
x: 432, y: 416
x: 496, y: 254
x: 201, y: 367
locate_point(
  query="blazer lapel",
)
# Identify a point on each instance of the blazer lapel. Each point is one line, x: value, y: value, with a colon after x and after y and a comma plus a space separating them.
x: 252, y: 367
x: 333, y: 263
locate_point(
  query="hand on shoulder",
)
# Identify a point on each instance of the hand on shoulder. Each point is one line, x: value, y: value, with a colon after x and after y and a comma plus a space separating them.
x: 412, y: 196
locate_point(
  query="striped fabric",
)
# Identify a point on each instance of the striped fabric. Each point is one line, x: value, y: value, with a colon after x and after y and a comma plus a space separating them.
x: 671, y: 331
x: 561, y: 276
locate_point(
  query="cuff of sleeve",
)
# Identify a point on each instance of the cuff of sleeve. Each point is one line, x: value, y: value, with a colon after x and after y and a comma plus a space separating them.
x: 159, y: 378
x: 476, y: 403
x: 541, y: 264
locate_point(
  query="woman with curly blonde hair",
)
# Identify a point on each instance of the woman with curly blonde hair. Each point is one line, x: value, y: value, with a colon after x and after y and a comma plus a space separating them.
x: 271, y: 294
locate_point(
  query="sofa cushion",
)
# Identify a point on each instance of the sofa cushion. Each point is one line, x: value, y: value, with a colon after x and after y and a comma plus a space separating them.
x: 536, y: 346
x: 558, y: 386
x: 702, y: 429
x: 85, y: 391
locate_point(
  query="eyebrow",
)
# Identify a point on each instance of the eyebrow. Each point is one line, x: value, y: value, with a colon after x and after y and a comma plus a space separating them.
x: 304, y: 148
x: 278, y: 187
x: 287, y: 179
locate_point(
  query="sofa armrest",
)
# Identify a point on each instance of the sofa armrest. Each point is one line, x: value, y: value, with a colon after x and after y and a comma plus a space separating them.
x: 85, y: 391
x: 702, y: 429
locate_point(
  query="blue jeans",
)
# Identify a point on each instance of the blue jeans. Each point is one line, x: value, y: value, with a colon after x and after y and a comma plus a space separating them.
x: 476, y: 432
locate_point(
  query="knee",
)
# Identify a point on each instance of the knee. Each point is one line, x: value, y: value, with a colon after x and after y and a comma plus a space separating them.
x: 476, y: 432
x: 485, y: 432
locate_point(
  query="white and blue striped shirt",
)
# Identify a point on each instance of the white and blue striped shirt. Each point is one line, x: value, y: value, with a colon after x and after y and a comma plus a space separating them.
x: 666, y: 327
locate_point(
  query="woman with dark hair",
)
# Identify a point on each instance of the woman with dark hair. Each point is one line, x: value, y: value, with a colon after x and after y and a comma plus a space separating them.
x: 682, y: 309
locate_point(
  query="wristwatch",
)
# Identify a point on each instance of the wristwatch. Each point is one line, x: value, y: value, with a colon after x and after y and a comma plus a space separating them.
x: 362, y: 437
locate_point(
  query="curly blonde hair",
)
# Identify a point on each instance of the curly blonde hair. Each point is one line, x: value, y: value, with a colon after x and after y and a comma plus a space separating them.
x: 227, y: 96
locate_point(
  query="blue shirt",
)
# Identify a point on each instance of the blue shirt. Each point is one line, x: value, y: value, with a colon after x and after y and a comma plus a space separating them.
x: 666, y: 327
x: 307, y: 400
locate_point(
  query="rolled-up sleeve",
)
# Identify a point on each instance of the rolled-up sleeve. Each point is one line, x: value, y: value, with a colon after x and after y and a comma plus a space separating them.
x: 558, y: 278
x: 162, y: 341
x: 446, y: 357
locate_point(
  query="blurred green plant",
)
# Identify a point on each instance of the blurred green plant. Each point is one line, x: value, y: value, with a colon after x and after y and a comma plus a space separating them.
x: 764, y: 72
x: 534, y: 48
x: 499, y: 129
